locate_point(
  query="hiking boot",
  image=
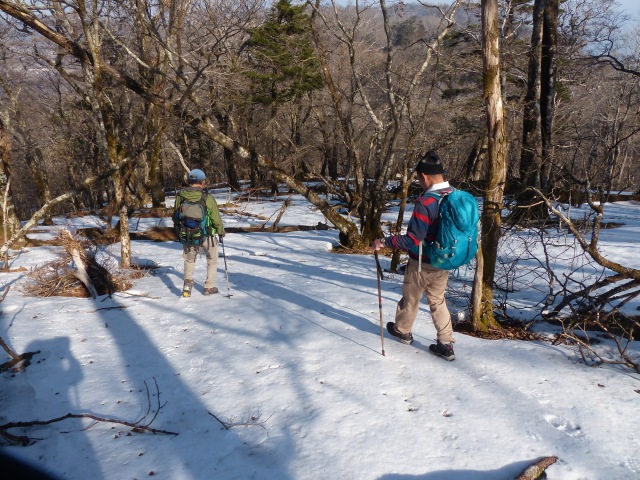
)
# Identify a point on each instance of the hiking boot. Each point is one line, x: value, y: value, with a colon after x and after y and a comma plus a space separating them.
x: 405, y: 338
x: 186, y: 289
x: 210, y: 291
x: 444, y: 350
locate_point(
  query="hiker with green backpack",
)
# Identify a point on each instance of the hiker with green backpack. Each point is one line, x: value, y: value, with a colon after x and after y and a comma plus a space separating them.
x: 436, y: 243
x: 196, y: 219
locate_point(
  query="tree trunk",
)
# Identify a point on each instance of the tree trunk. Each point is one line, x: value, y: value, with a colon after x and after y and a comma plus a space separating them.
x: 11, y: 224
x: 483, y: 319
x: 475, y: 160
x: 397, y: 228
x: 531, y: 153
x: 548, y: 89
x: 155, y: 126
x: 32, y: 154
x: 226, y: 126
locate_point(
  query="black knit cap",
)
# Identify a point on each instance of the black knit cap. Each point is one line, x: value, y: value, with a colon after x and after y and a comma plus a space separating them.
x: 430, y: 164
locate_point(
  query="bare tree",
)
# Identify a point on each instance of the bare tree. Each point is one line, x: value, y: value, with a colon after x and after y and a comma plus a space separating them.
x: 395, y: 113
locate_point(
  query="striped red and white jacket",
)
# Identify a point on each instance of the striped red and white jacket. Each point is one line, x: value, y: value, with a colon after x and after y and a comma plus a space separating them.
x: 423, y: 225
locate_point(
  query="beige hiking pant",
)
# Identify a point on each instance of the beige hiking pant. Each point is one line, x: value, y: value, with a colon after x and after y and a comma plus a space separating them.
x: 432, y: 282
x: 189, y: 254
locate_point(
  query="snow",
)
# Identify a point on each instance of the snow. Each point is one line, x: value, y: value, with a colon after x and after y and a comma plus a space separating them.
x: 295, y: 355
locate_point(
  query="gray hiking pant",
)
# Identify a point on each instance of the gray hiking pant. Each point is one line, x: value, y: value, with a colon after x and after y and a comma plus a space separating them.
x: 432, y: 282
x: 189, y: 254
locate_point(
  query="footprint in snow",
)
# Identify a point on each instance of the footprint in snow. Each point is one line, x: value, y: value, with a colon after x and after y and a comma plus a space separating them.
x: 176, y: 330
x: 196, y: 364
x: 537, y: 395
x: 565, y: 426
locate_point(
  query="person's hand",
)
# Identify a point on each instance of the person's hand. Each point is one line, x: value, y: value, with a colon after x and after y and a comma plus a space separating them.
x: 377, y: 244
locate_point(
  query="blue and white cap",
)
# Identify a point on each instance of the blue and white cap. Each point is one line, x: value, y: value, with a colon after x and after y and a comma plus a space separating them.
x: 196, y: 176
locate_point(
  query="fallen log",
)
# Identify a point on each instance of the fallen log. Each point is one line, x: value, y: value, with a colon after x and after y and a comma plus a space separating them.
x: 167, y: 234
x: 535, y: 470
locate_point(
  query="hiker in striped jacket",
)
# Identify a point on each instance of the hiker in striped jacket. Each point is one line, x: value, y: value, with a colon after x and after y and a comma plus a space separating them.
x: 420, y: 276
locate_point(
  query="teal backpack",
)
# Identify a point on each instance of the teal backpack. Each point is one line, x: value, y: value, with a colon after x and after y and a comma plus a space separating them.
x: 457, y: 240
x: 191, y: 221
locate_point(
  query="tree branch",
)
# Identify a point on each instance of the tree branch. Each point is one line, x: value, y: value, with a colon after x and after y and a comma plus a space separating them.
x: 136, y: 426
x: 55, y: 201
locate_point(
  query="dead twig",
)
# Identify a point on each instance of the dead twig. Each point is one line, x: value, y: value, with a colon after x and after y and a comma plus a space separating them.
x: 143, y: 295
x: 119, y: 307
x: 252, y: 421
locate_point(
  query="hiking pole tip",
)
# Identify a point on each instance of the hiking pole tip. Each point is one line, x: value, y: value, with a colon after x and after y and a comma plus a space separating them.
x: 378, y: 277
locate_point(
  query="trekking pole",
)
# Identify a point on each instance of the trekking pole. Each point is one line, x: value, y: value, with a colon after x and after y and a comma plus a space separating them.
x: 379, y: 276
x: 226, y: 271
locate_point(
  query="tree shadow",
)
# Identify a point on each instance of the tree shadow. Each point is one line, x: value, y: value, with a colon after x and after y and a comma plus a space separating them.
x: 183, y: 410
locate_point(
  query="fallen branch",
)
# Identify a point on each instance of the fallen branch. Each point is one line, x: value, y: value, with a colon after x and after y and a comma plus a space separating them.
x: 18, y: 361
x: 76, y: 252
x: 142, y: 295
x: 284, y: 229
x: 285, y: 204
x: 119, y: 307
x: 535, y: 470
x: 167, y: 234
x: 137, y: 426
x: 4, y: 293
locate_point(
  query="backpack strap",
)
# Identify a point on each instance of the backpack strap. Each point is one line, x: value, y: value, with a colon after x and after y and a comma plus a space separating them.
x: 439, y: 198
x: 203, y: 201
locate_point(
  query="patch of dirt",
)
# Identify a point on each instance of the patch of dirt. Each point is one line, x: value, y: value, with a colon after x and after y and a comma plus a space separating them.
x: 505, y: 332
x: 156, y: 234
x: 14, y: 270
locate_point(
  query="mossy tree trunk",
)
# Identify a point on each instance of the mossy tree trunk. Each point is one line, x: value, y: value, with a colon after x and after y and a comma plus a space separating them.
x: 482, y: 317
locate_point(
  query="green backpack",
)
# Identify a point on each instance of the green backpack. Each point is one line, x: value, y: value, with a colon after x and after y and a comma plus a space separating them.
x: 191, y: 221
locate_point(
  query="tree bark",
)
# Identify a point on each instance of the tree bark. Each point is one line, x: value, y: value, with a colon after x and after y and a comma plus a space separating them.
x: 535, y: 470
x: 483, y: 319
x: 548, y: 70
x: 531, y: 152
x: 11, y: 223
x: 75, y: 251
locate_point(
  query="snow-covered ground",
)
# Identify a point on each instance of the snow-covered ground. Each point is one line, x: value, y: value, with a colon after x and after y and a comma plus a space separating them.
x: 295, y: 355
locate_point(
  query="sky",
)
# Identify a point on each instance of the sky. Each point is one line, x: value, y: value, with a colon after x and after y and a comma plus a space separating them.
x: 291, y: 362
x: 630, y: 6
